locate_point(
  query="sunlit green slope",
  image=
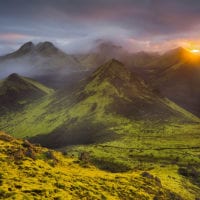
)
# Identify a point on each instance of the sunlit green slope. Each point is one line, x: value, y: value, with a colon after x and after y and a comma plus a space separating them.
x: 17, y: 91
x: 126, y: 125
x: 111, y: 97
x: 31, y: 172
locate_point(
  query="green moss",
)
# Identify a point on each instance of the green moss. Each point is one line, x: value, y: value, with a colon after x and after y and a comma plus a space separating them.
x: 38, y: 179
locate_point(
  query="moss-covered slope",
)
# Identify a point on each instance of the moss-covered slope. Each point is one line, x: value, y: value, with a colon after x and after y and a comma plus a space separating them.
x: 111, y: 97
x: 16, y: 91
x: 32, y: 172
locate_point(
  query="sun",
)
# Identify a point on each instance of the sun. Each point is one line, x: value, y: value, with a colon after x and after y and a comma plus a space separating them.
x: 195, y: 51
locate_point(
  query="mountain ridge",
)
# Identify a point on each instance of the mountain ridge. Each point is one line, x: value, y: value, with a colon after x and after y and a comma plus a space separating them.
x: 115, y: 94
x: 179, y: 74
x: 44, y: 48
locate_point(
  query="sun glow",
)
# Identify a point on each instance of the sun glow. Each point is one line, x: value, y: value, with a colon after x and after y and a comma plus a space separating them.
x: 191, y: 55
x: 195, y: 51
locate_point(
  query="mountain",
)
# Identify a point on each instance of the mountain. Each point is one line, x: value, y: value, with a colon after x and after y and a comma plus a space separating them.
x: 170, y: 58
x: 111, y: 95
x: 42, y: 48
x: 139, y: 60
x: 16, y: 91
x: 176, y: 74
x: 113, y: 121
x: 106, y: 50
x: 102, y: 52
x: 25, y: 49
x: 40, y: 59
x: 128, y: 94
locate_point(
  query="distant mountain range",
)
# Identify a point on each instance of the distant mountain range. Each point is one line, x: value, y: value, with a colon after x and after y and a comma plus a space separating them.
x: 36, y: 60
x: 174, y: 72
x: 101, y: 53
x: 118, y: 111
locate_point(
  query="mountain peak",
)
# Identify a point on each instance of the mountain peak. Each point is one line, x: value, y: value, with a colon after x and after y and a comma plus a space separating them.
x: 16, y: 89
x: 112, y: 70
x: 181, y: 54
x: 46, y: 44
x: 27, y: 47
x: 108, y: 46
x: 177, y: 51
x: 13, y: 77
x: 112, y: 66
x: 114, y: 61
x: 46, y: 48
x: 15, y: 80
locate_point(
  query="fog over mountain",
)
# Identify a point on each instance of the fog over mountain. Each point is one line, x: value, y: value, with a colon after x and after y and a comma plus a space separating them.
x: 45, y: 58
x: 38, y: 59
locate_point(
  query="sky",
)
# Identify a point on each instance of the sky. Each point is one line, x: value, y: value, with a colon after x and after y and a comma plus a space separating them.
x: 76, y: 25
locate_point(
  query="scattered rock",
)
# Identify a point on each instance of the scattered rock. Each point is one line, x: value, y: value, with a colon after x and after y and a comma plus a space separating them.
x: 5, y: 137
x: 147, y: 175
x: 27, y: 144
x: 84, y: 156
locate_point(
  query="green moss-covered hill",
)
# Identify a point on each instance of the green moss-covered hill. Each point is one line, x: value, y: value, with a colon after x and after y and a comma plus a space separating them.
x: 112, y: 96
x: 32, y: 172
x: 17, y: 91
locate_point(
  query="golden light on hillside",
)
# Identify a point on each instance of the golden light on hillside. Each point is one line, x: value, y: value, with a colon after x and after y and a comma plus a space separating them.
x: 192, y: 55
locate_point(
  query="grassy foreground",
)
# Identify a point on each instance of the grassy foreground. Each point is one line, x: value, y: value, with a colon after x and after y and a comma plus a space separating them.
x: 169, y: 151
x: 33, y: 172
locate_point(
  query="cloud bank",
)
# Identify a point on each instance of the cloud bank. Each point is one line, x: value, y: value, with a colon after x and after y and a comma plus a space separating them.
x: 74, y: 25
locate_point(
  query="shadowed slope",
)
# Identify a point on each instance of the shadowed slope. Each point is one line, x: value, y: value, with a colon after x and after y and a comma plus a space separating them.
x: 177, y: 76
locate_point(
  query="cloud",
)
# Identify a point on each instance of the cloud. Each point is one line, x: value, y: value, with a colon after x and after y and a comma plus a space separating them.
x: 12, y: 36
x: 149, y: 22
